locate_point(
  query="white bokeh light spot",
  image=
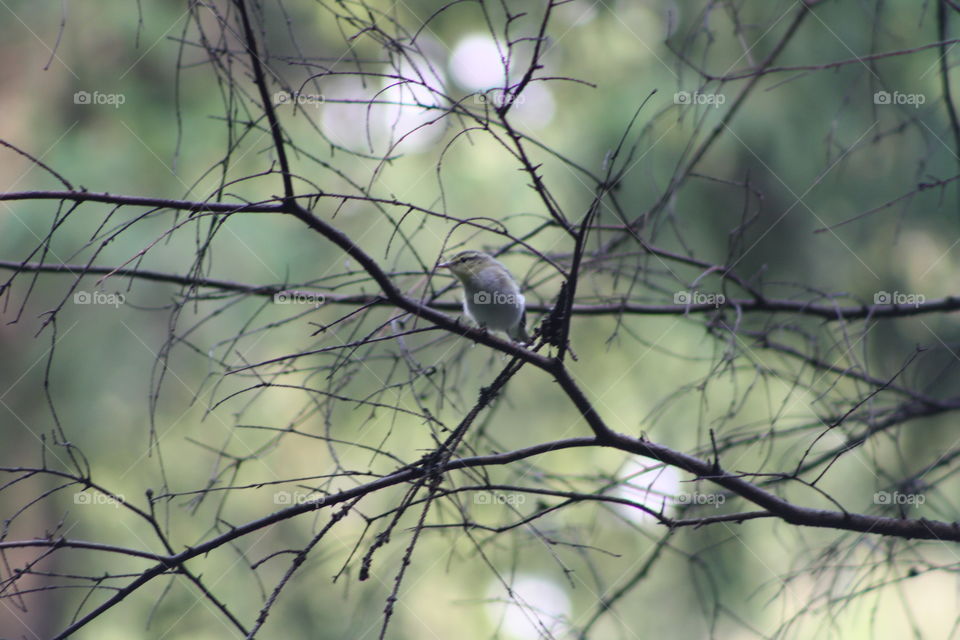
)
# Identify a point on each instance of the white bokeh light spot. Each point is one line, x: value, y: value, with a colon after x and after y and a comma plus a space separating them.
x: 653, y: 487
x: 475, y: 63
x: 537, y: 603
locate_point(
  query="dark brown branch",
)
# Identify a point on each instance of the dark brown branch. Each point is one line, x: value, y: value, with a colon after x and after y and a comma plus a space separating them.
x: 744, y: 305
x: 902, y: 528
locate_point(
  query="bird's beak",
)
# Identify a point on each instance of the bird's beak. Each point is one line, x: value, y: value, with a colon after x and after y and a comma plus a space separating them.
x: 444, y: 265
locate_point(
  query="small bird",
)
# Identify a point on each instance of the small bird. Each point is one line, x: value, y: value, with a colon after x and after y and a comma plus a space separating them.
x: 492, y: 297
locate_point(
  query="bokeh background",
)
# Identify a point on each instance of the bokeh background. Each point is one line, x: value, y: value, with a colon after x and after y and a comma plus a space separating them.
x: 123, y: 99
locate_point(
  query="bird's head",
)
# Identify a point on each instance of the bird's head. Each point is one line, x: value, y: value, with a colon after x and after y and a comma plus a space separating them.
x: 468, y: 263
